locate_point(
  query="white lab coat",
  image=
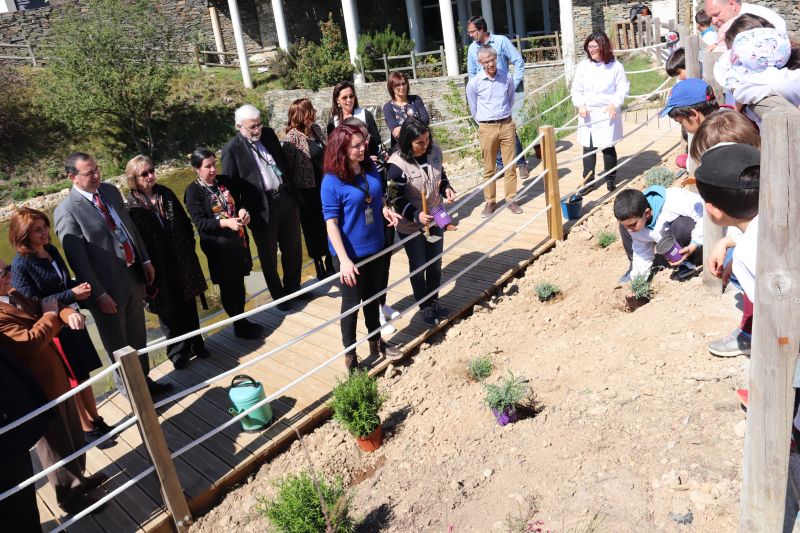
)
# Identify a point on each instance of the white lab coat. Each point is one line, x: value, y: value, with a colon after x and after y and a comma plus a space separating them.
x: 595, y: 86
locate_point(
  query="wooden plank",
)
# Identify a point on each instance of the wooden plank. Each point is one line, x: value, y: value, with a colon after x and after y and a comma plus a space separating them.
x: 776, y: 328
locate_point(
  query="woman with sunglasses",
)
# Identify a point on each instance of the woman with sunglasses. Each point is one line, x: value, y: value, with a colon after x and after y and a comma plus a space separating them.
x: 169, y: 238
x: 344, y: 106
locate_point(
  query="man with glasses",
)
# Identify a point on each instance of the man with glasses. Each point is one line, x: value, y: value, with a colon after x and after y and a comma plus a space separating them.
x: 490, y: 95
x: 507, y: 54
x: 255, y: 159
x: 104, y: 249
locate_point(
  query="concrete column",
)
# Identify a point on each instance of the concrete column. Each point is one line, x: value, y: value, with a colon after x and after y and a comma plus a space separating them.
x: 546, y: 16
x: 8, y: 6
x: 218, y: 40
x: 280, y: 24
x: 519, y: 18
x: 463, y: 15
x: 244, y: 62
x: 449, y: 34
x: 486, y: 13
x: 352, y: 29
x: 416, y: 30
x: 567, y: 36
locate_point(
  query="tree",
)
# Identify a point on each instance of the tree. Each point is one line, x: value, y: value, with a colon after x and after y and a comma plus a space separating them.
x: 326, y: 63
x: 109, y: 63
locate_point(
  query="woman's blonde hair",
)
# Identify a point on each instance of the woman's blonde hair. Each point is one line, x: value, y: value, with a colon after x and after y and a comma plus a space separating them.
x: 133, y: 168
x: 723, y: 126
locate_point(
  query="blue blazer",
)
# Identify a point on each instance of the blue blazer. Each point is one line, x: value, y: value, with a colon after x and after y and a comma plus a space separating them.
x: 35, y: 277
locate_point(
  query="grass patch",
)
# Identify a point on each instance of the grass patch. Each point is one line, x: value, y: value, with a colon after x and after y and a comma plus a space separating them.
x: 546, y: 291
x: 480, y: 368
x: 536, y: 109
x: 645, y: 82
x: 606, y: 238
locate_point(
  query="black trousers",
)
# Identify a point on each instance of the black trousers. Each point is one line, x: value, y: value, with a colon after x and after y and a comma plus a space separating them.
x: 609, y: 160
x: 19, y: 511
x: 419, y: 252
x: 231, y: 295
x: 182, y: 318
x: 282, y: 231
x: 681, y: 228
x: 388, y: 240
x: 368, y: 283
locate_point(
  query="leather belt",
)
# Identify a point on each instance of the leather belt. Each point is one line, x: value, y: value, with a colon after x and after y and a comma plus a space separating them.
x: 499, y: 121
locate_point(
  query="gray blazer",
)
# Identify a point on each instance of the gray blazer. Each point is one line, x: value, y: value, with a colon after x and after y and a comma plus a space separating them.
x: 93, y: 252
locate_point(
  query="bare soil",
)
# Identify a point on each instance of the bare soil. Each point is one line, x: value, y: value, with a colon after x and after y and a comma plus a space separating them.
x: 635, y: 425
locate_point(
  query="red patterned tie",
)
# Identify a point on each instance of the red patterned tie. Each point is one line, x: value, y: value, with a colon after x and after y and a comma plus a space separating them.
x: 126, y: 246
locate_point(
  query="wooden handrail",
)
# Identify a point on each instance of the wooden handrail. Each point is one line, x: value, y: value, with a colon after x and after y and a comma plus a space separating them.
x: 555, y: 224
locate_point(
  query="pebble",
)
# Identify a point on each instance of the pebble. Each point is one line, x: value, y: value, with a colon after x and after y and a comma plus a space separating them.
x: 700, y: 498
x: 739, y: 428
x: 488, y: 473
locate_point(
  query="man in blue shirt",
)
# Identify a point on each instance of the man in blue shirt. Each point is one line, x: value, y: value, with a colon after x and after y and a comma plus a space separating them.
x: 490, y: 95
x: 506, y: 53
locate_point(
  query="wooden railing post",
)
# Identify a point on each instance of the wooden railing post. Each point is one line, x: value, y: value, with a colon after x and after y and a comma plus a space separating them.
x: 413, y: 64
x: 444, y: 62
x: 386, y: 66
x: 197, y: 59
x: 30, y: 53
x: 776, y: 328
x: 552, y: 195
x: 657, y: 40
x: 153, y: 437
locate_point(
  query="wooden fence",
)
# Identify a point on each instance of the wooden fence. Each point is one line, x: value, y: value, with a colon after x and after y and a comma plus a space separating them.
x: 539, y: 49
x: 10, y: 48
x: 410, y: 62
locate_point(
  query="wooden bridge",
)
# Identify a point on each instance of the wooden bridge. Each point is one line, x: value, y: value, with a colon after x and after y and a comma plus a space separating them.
x: 231, y: 455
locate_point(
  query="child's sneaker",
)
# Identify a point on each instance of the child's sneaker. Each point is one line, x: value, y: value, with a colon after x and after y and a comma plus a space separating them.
x: 684, y: 271
x: 386, y: 314
x: 626, y: 277
x: 733, y: 345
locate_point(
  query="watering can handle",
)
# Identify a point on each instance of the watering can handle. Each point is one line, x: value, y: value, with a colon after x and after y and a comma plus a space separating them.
x: 242, y: 379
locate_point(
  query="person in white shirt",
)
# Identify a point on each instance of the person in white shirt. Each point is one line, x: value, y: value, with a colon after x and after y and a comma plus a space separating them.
x: 598, y: 91
x: 724, y: 12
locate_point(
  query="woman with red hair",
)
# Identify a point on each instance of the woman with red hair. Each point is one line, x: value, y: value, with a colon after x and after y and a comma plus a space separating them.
x: 598, y: 91
x: 353, y: 208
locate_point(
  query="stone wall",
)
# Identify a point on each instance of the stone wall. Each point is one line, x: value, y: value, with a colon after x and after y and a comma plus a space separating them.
x: 597, y: 16
x: 373, y: 95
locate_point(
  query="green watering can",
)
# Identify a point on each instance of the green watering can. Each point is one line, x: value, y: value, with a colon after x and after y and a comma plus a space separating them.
x: 244, y: 393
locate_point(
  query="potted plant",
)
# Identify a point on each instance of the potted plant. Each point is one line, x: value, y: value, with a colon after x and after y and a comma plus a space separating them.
x: 641, y: 292
x: 502, y: 398
x: 546, y: 291
x: 356, y: 403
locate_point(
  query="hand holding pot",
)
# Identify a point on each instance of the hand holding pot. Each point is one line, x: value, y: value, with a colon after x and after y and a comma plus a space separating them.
x: 685, y: 253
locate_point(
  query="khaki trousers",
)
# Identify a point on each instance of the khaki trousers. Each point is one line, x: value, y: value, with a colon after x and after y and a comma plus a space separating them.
x: 491, y: 138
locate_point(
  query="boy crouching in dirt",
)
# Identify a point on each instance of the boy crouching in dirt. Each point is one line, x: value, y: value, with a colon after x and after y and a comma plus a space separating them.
x: 647, y: 217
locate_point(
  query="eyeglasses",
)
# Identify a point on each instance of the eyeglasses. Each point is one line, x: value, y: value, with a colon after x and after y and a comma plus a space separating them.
x: 147, y: 172
x: 94, y: 172
x: 492, y: 61
x: 593, y: 47
x: 254, y: 127
x: 5, y: 271
x: 472, y: 32
x: 347, y: 97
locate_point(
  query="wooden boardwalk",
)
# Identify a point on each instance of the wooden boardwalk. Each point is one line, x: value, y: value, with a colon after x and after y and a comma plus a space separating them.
x: 232, y: 454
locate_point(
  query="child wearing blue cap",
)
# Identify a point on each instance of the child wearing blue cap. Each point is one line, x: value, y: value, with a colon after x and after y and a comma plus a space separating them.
x: 690, y: 101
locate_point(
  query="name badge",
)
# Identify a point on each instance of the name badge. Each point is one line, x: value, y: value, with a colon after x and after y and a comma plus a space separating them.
x: 369, y: 217
x: 120, y: 234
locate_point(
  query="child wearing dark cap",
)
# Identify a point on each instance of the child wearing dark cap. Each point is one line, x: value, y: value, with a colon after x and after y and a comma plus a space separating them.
x: 647, y: 217
x: 728, y: 182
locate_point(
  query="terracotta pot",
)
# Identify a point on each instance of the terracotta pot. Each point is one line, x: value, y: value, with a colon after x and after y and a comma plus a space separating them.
x: 371, y: 442
x: 506, y: 416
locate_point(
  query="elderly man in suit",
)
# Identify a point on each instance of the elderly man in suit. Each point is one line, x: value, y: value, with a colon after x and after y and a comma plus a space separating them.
x: 27, y: 329
x: 255, y: 159
x: 104, y: 249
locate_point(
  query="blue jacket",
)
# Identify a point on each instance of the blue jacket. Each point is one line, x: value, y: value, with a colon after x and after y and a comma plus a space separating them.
x: 35, y: 277
x: 347, y: 204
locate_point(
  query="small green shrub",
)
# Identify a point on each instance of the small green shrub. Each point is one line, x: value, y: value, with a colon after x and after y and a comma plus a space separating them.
x: 480, y: 368
x: 659, y: 176
x: 546, y: 290
x: 606, y: 238
x: 506, y: 394
x: 20, y: 194
x: 297, y: 507
x: 641, y: 288
x: 356, y: 403
x: 372, y: 47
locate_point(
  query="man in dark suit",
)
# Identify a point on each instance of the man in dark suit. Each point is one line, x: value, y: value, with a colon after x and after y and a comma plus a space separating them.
x: 104, y: 249
x: 255, y: 159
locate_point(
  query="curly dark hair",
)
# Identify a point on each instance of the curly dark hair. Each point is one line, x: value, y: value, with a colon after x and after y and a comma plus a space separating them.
x: 606, y: 52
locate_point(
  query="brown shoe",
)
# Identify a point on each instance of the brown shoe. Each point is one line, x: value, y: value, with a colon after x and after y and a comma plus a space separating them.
x: 523, y: 171
x: 351, y: 363
x: 514, y: 208
x: 488, y: 209
x: 381, y: 347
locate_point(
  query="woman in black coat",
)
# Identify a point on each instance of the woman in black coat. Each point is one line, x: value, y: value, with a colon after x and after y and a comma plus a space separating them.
x: 169, y: 238
x: 38, y: 272
x: 212, y: 202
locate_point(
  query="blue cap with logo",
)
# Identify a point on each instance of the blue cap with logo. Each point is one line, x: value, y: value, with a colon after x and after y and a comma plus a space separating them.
x: 685, y: 93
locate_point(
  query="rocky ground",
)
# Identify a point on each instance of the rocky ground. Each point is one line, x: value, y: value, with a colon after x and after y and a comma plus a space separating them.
x: 636, y: 427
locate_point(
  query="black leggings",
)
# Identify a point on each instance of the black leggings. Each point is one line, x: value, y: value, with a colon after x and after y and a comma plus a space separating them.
x: 369, y: 282
x: 388, y: 240
x: 681, y: 228
x: 609, y: 160
x: 232, y: 295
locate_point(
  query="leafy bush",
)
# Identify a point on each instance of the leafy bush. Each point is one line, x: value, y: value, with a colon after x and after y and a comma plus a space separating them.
x: 109, y: 64
x: 606, y: 238
x: 372, y: 47
x: 326, y: 63
x: 297, y: 507
x: 641, y: 288
x: 546, y: 290
x: 480, y: 368
x: 506, y: 394
x: 458, y: 133
x: 659, y: 176
x: 536, y: 112
x: 356, y: 403
x: 284, y: 65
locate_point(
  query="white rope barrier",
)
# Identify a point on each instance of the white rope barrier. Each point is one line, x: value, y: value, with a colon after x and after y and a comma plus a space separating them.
x: 549, y: 83
x: 52, y: 403
x: 649, y: 95
x: 654, y: 69
x: 629, y: 50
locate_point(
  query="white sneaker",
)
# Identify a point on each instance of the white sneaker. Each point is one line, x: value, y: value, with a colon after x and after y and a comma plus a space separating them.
x: 386, y: 314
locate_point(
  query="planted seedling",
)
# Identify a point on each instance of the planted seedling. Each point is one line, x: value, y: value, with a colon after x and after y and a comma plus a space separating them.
x: 480, y: 368
x: 641, y: 292
x: 546, y: 291
x: 659, y: 176
x: 502, y: 398
x: 356, y: 403
x: 606, y: 238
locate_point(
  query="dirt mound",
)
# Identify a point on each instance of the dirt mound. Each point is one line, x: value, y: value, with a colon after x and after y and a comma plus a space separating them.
x: 638, y: 427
